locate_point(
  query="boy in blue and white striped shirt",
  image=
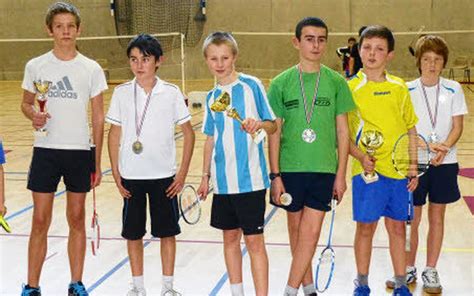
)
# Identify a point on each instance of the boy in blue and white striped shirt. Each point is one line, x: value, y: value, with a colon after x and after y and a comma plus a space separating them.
x: 235, y: 163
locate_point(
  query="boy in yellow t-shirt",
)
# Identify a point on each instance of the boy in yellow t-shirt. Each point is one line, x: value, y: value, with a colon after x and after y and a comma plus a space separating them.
x: 384, y: 105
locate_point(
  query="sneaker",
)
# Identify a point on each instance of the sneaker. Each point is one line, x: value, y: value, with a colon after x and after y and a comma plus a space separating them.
x: 411, y: 278
x: 170, y: 292
x: 136, y: 291
x: 77, y: 289
x: 402, y: 291
x: 29, y: 291
x: 431, y: 283
x: 361, y: 290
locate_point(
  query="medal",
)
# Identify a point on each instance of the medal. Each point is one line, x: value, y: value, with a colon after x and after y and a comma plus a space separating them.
x: 137, y: 147
x: 433, y: 138
x: 308, y: 135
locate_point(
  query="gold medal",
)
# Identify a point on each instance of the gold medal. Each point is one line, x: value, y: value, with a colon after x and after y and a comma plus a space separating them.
x: 137, y: 147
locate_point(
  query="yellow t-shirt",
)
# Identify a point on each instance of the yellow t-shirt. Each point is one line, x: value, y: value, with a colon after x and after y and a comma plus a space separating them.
x: 385, y: 107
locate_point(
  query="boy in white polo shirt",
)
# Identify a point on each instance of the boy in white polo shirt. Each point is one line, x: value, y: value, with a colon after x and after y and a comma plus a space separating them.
x: 76, y: 82
x: 143, y: 114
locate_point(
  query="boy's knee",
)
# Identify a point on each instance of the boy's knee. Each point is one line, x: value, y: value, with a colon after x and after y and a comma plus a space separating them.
x: 255, y: 243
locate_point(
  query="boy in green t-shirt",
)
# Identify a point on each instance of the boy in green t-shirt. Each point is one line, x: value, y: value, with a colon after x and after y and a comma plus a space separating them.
x: 309, y: 151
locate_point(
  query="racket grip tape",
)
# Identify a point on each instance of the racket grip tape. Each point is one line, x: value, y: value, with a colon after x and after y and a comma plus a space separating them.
x: 408, y: 238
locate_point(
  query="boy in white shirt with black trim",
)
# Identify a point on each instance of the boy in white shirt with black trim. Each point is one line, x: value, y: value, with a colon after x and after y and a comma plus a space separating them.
x: 143, y: 114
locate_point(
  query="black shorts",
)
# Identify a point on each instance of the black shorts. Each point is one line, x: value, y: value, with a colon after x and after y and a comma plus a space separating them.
x: 49, y: 165
x: 440, y: 184
x: 312, y: 190
x: 164, y: 213
x: 243, y: 210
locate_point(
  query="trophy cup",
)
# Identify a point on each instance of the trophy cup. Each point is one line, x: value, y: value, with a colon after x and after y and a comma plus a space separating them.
x: 371, y: 140
x: 222, y: 104
x: 42, y: 86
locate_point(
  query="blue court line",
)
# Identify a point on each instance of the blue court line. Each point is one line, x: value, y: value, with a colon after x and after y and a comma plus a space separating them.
x: 225, y: 276
x: 27, y: 208
x: 112, y: 271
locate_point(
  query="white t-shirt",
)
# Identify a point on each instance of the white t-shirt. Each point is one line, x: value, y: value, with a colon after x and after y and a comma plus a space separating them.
x: 166, y: 109
x: 451, y: 103
x: 74, y: 82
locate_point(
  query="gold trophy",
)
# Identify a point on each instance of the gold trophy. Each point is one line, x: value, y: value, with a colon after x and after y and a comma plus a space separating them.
x: 222, y: 104
x: 371, y: 140
x: 42, y: 86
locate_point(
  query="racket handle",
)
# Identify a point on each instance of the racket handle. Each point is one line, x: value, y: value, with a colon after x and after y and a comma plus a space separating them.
x: 408, y: 237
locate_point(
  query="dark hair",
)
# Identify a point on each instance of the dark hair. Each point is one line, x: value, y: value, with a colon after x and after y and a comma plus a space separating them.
x: 309, y: 21
x: 61, y: 7
x: 147, y: 44
x: 432, y: 43
x: 361, y: 29
x: 380, y: 32
x: 351, y: 39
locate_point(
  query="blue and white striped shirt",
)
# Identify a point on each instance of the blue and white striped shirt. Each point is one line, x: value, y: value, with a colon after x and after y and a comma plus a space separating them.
x: 238, y: 164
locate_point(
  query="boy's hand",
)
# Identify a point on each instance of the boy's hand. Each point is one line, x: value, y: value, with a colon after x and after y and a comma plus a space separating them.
x: 3, y: 210
x: 251, y: 125
x: 175, y: 188
x: 203, y: 189
x: 277, y: 189
x: 97, y: 177
x: 39, y: 119
x: 339, y: 187
x: 440, y: 151
x: 412, y: 184
x: 118, y: 182
x: 368, y: 163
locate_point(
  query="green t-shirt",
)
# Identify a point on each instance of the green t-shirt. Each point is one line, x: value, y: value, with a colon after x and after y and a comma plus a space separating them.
x: 334, y: 98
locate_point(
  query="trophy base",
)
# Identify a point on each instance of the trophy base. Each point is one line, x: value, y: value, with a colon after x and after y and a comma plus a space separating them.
x: 259, y: 136
x: 40, y: 133
x: 370, y: 178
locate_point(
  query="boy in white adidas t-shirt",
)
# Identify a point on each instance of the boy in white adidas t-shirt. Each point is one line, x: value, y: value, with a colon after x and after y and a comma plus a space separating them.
x: 440, y: 106
x: 76, y: 82
x: 143, y: 114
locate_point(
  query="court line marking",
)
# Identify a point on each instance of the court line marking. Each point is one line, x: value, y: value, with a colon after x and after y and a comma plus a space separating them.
x: 225, y: 276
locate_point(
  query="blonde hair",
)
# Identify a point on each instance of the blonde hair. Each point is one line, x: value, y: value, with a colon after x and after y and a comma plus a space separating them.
x: 432, y: 43
x: 218, y: 38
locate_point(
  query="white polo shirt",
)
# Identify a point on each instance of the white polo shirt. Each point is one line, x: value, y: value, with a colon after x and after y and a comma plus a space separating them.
x: 74, y: 82
x: 451, y: 103
x: 166, y: 109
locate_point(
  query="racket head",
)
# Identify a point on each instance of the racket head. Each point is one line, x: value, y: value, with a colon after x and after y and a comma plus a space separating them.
x: 325, y: 269
x: 189, y: 205
x: 95, y: 237
x: 4, y: 224
x: 411, y: 155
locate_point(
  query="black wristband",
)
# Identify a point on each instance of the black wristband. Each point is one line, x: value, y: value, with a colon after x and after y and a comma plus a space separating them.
x: 274, y: 175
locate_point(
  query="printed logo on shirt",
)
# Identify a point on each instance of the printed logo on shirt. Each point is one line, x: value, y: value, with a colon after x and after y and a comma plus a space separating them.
x: 323, y: 102
x: 382, y: 93
x: 62, y: 89
x: 291, y: 104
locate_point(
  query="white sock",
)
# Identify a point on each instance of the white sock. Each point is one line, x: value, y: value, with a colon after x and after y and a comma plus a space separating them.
x: 309, y: 289
x: 290, y: 291
x: 139, y: 281
x: 168, y: 282
x: 237, y: 289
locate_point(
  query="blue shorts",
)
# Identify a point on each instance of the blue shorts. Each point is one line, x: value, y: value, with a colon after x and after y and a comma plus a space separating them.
x: 312, y: 190
x: 386, y: 197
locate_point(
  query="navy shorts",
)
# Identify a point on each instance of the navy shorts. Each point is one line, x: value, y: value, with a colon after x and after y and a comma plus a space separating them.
x: 439, y: 184
x: 243, y: 210
x: 164, y: 213
x: 313, y: 190
x: 49, y: 165
x: 386, y: 197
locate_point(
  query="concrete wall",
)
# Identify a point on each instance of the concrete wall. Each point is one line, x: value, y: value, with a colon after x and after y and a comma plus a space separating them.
x: 262, y: 56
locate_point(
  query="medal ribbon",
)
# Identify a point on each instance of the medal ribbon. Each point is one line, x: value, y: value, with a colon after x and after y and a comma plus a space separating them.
x: 433, y: 117
x: 138, y: 126
x: 308, y: 114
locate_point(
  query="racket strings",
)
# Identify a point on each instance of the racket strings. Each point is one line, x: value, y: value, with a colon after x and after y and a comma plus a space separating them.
x: 411, y: 155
